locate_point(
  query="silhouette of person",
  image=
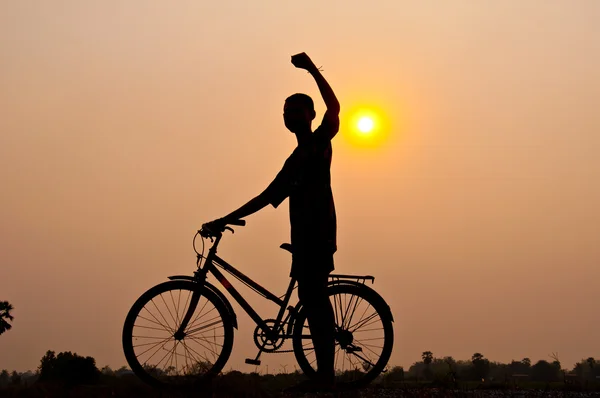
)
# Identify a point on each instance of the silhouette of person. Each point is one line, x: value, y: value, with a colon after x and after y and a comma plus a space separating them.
x: 305, y: 178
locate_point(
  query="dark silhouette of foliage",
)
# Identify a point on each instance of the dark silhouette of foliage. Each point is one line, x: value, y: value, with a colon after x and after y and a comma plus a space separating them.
x: 5, y: 316
x: 396, y: 374
x: 545, y: 371
x: 69, y: 368
x: 15, y: 378
x: 427, y: 358
x: 481, y: 366
x: 4, y: 378
x: 591, y: 362
x: 587, y: 369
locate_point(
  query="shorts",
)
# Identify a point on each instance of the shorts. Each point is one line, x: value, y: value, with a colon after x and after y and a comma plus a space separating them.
x: 311, y: 264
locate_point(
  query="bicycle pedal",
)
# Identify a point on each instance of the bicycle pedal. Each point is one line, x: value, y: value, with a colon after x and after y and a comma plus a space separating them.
x: 251, y: 361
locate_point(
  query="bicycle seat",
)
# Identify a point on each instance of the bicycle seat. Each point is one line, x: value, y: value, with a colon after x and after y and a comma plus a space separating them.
x: 286, y: 246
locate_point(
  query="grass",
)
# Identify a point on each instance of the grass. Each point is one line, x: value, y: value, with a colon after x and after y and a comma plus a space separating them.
x: 241, y: 385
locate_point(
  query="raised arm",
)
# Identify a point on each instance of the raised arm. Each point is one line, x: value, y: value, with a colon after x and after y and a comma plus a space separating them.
x: 303, y: 61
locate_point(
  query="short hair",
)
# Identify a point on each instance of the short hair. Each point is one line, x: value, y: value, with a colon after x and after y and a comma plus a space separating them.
x: 303, y: 99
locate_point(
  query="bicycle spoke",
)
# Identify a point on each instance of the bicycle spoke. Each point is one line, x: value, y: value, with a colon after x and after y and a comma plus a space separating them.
x: 200, y: 315
x: 344, y: 314
x: 172, y: 357
x: 168, y: 309
x: 161, y: 314
x: 203, y: 346
x: 370, y: 345
x: 378, y: 320
x: 335, y: 313
x: 337, y: 353
x: 185, y: 347
x: 195, y: 338
x: 149, y: 337
x: 339, y: 298
x: 166, y: 341
x: 363, y: 359
x: 149, y: 327
x: 359, y: 299
x: 176, y: 317
x: 366, y: 330
x: 177, y: 308
x: 199, y: 312
x: 200, y: 355
x: 168, y: 352
x: 152, y: 344
x: 204, y: 327
x: 362, y: 322
x: 365, y: 311
x: 352, y: 365
x: 218, y: 316
x: 201, y: 332
x: 157, y: 321
x: 176, y: 344
x: 374, y: 338
x: 349, y: 304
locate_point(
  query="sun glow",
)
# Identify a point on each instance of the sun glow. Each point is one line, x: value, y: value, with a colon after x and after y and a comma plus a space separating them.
x: 366, y: 127
x: 365, y: 124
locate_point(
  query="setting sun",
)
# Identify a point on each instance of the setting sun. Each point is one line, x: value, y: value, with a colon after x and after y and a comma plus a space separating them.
x: 368, y: 126
x: 365, y: 124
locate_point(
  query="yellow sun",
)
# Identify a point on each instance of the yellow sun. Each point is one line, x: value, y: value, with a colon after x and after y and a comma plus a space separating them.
x: 368, y: 126
x: 365, y: 124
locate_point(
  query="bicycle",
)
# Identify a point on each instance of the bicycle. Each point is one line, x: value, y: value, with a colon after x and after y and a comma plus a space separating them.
x: 190, y: 345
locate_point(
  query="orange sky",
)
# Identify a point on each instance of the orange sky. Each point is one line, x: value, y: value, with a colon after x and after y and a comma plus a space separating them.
x: 126, y: 125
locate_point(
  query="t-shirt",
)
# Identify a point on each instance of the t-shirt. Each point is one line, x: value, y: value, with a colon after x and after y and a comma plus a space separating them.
x: 305, y: 178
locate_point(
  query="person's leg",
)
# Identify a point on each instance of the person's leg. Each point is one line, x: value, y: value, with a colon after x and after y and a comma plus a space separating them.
x: 312, y: 292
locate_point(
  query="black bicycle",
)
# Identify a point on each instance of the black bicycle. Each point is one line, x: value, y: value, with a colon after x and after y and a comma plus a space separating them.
x: 180, y: 332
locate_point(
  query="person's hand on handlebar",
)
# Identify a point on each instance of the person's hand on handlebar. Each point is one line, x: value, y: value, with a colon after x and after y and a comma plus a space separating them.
x: 214, y: 227
x: 219, y: 225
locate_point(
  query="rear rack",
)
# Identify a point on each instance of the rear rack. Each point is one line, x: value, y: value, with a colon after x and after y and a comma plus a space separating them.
x: 337, y: 277
x: 358, y: 278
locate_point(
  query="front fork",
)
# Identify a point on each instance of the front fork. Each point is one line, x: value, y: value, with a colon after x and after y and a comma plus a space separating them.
x: 200, y: 278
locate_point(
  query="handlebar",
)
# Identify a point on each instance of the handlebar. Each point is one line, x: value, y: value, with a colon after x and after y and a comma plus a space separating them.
x: 214, y: 229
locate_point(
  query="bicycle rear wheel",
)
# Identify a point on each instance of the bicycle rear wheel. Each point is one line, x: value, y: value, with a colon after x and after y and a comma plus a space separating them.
x: 364, y: 336
x: 150, y: 346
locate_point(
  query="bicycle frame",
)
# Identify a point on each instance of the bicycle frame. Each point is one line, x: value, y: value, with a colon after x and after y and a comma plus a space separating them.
x: 210, y: 266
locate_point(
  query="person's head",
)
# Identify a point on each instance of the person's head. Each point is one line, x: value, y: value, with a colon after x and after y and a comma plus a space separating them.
x: 298, y: 112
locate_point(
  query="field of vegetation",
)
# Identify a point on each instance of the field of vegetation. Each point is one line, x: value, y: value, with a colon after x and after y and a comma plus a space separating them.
x: 70, y: 375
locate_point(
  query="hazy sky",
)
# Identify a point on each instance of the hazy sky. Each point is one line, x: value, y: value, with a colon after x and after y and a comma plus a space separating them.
x: 124, y: 125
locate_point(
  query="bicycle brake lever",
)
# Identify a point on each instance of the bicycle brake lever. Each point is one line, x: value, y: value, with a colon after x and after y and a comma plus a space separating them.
x: 229, y: 228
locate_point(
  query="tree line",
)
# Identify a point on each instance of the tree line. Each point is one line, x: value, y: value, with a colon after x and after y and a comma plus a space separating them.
x: 479, y: 368
x: 72, y: 369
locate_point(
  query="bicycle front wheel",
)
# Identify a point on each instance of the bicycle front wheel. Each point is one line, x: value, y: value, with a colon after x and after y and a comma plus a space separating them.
x: 153, y: 352
x: 363, y: 340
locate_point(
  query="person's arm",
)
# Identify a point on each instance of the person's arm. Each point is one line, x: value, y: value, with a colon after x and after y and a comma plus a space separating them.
x: 255, y: 204
x: 331, y: 120
x: 274, y: 194
x: 303, y: 61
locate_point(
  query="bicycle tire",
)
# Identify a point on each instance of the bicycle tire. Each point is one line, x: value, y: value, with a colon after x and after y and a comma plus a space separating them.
x: 351, y: 378
x: 198, y: 370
